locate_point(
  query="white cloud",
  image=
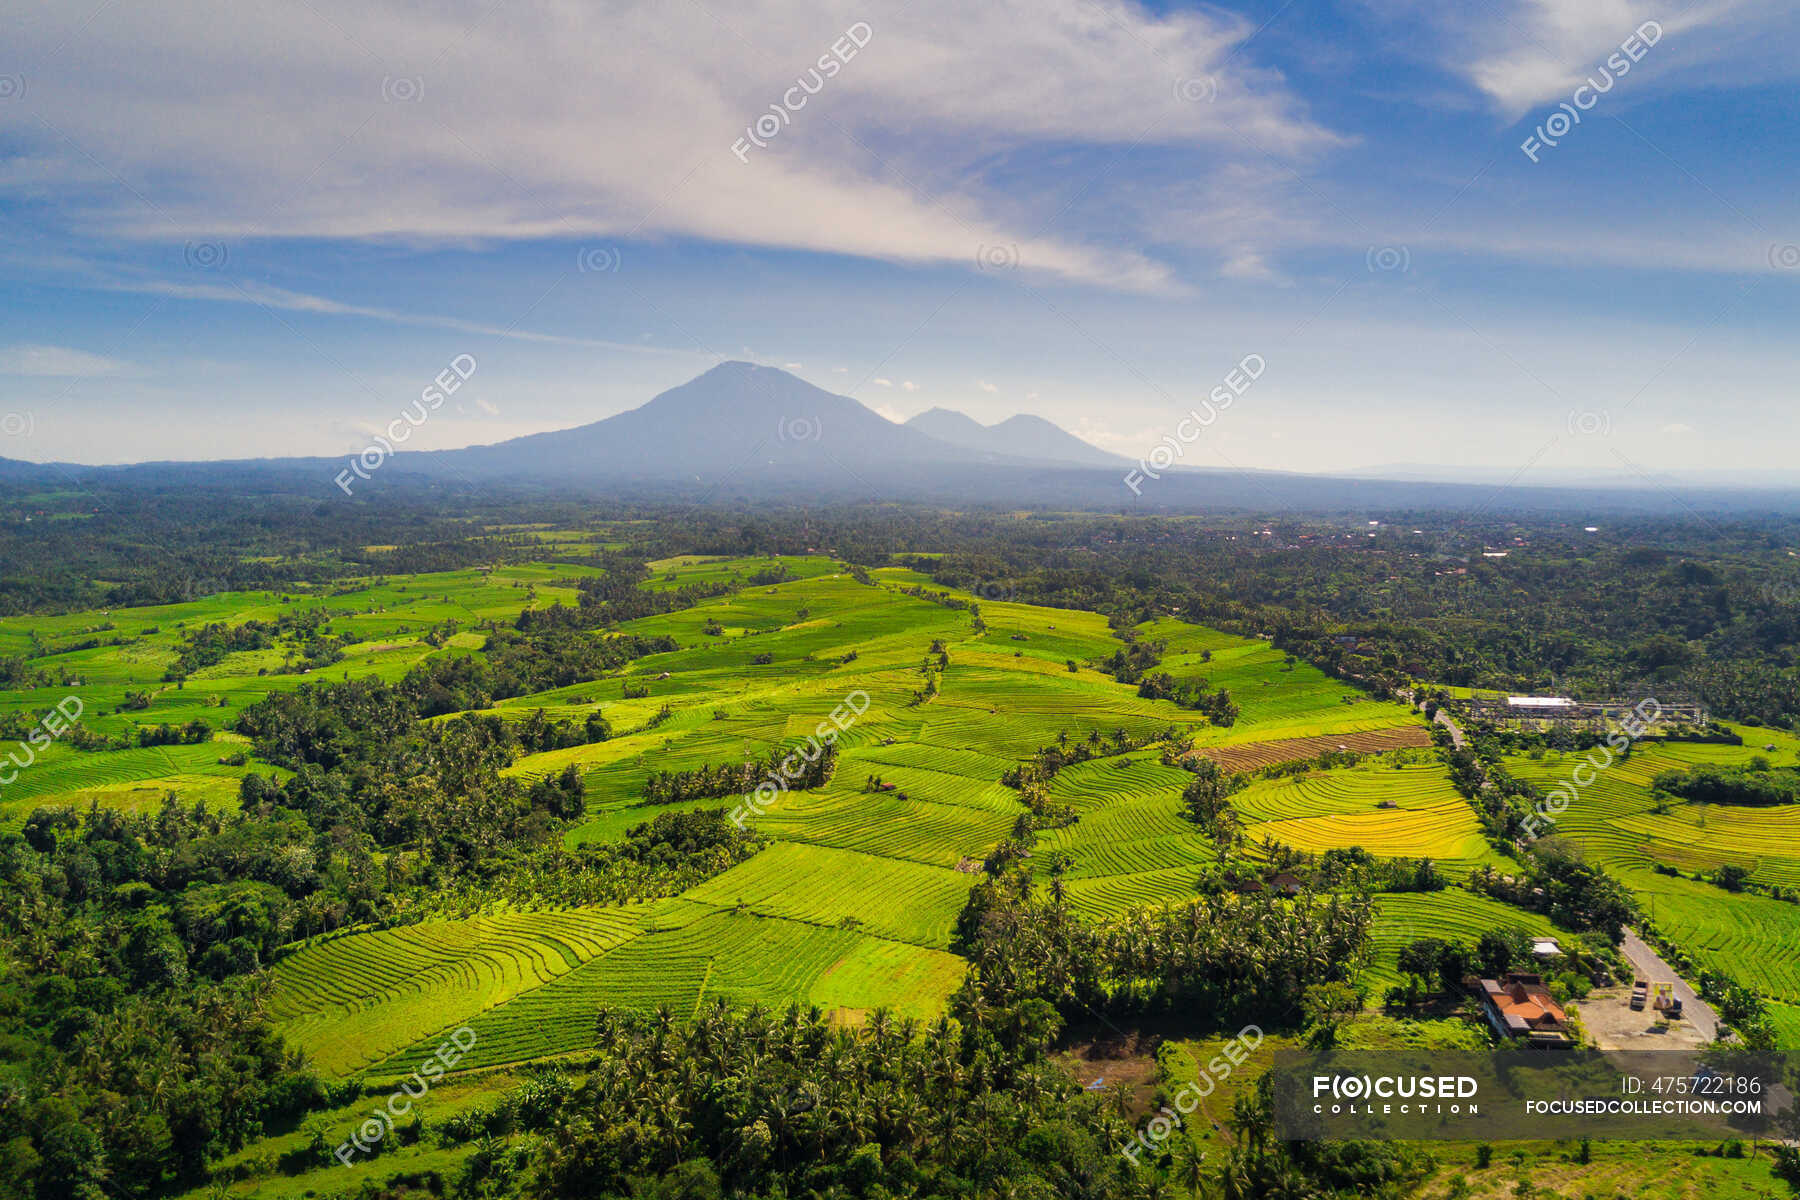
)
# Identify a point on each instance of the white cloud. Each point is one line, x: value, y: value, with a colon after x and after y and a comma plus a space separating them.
x: 561, y: 120
x: 908, y: 385
x: 985, y: 386
x: 1678, y: 428
x: 878, y: 382
x: 1521, y: 53
x: 60, y: 362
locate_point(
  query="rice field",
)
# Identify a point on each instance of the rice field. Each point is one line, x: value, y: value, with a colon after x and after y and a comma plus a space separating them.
x: 1616, y: 821
x: 1614, y: 817
x: 739, y: 957
x: 851, y: 905
x: 1105, y: 897
x: 103, y: 657
x: 891, y: 898
x: 1406, y: 811
x: 349, y: 1000
x: 135, y: 780
x: 1405, y: 917
x: 1752, y: 938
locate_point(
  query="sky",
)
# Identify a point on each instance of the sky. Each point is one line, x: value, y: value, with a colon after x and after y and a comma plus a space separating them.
x: 1538, y: 238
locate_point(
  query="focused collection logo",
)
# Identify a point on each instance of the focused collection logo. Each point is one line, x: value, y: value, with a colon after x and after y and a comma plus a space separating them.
x: 1366, y: 1095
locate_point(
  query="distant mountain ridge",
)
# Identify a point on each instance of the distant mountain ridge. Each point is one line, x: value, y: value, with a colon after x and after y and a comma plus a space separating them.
x: 741, y: 419
x: 743, y: 434
x: 1023, y: 436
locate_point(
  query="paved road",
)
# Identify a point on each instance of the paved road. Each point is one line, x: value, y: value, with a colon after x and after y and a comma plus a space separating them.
x: 1650, y: 965
x: 1443, y: 718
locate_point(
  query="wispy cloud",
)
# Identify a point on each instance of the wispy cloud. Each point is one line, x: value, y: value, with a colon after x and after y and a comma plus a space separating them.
x: 1520, y: 53
x: 265, y: 296
x: 448, y: 124
x: 61, y: 362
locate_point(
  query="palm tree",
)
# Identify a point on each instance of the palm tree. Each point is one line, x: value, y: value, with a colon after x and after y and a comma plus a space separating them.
x: 1190, y: 1171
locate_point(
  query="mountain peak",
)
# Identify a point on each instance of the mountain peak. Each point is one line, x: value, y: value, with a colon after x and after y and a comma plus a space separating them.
x: 742, y: 422
x: 946, y: 424
x: 1026, y: 421
x: 1021, y: 435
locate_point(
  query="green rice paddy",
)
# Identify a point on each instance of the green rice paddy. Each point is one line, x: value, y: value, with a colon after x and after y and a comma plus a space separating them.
x: 851, y: 905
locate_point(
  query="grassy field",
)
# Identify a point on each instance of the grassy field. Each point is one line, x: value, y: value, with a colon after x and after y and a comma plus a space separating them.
x: 1632, y: 1169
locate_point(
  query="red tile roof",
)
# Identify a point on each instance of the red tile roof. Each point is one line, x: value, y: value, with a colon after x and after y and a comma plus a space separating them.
x: 1525, y: 998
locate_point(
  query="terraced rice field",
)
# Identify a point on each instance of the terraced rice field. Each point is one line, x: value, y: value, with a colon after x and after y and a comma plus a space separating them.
x: 136, y: 779
x: 1346, y: 791
x: 1614, y: 820
x: 741, y: 958
x: 1108, y: 896
x: 852, y: 904
x: 877, y: 973
x: 352, y: 999
x: 127, y: 650
x: 1405, y: 917
x: 1132, y: 846
x: 1426, y: 817
x: 891, y: 898
x: 1277, y: 701
x: 911, y: 830
x: 1752, y: 938
x: 1786, y: 1019
x: 1444, y: 832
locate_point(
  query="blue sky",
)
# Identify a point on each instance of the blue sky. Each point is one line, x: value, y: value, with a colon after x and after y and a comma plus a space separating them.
x: 242, y: 229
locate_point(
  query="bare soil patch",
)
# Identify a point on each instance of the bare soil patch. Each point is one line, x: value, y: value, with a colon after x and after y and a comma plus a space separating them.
x: 1250, y: 756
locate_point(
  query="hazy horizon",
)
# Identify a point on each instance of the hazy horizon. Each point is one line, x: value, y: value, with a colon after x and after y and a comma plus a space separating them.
x: 1753, y: 480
